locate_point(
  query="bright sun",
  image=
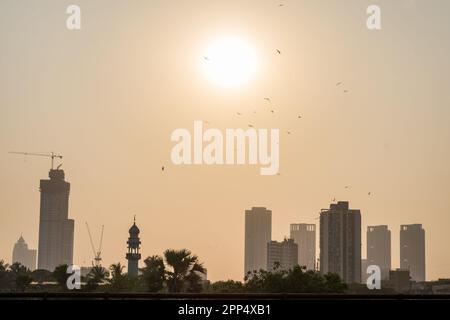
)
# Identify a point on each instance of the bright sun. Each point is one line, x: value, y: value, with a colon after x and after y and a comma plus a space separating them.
x: 229, y: 62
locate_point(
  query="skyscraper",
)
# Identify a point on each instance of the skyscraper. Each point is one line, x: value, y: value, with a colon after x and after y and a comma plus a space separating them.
x: 412, y: 250
x: 258, y: 232
x: 23, y: 255
x: 133, y: 256
x: 55, y: 229
x: 305, y: 237
x: 340, y: 242
x: 284, y: 254
x: 379, y: 249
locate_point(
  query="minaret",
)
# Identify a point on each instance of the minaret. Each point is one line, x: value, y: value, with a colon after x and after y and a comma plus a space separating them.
x: 133, y: 256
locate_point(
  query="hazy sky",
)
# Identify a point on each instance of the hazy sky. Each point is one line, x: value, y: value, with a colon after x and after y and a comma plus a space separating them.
x: 109, y: 95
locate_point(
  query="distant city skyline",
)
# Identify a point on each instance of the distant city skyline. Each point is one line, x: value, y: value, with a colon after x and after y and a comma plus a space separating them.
x: 362, y: 117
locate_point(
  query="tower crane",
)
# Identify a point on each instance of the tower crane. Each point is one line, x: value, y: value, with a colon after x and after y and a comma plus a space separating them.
x: 51, y: 155
x: 97, y: 253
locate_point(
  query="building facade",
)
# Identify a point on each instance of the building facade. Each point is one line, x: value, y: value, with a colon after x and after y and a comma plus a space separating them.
x: 258, y: 232
x: 340, y: 242
x: 23, y: 255
x: 412, y: 250
x: 305, y: 236
x: 379, y: 249
x: 282, y: 255
x: 56, y: 230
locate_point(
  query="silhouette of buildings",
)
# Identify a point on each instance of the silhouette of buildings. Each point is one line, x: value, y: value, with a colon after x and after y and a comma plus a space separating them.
x: 133, y: 256
x: 340, y: 242
x: 412, y: 250
x: 305, y: 237
x: 379, y: 249
x: 283, y: 255
x: 258, y: 232
x: 399, y: 280
x: 55, y: 229
x: 23, y: 255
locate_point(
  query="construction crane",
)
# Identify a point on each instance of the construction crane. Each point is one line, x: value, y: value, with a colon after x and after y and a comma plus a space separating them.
x: 51, y: 155
x: 97, y: 253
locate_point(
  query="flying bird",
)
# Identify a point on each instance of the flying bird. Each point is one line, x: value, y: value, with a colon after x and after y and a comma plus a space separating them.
x: 278, y: 51
x: 346, y: 187
x: 369, y: 193
x: 162, y: 168
x: 281, y: 5
x: 345, y: 91
x: 288, y: 132
x: 267, y: 99
x: 239, y: 114
x: 251, y: 126
x: 299, y: 117
x: 338, y: 84
x: 272, y: 111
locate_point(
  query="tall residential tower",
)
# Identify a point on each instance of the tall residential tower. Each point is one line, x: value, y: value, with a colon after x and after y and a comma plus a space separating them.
x: 340, y: 242
x: 305, y: 237
x: 55, y: 228
x: 258, y: 232
x: 412, y: 250
x: 379, y: 249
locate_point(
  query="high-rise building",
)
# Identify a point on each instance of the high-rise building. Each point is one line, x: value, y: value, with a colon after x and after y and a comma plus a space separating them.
x: 283, y: 255
x: 55, y: 229
x: 23, y: 255
x: 340, y: 241
x: 305, y: 237
x: 379, y: 249
x: 133, y: 256
x: 258, y: 232
x: 412, y: 250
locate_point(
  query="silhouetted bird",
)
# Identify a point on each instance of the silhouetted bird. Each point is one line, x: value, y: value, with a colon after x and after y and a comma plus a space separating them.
x: 267, y: 99
x: 346, y: 187
x: 299, y: 117
x: 281, y: 5
x: 239, y: 114
x: 162, y: 168
x: 338, y: 84
x: 251, y: 126
x: 369, y: 193
x: 272, y: 111
x: 288, y: 132
x: 345, y: 91
x: 278, y: 51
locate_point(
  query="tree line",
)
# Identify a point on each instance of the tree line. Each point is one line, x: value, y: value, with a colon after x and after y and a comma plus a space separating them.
x: 176, y: 271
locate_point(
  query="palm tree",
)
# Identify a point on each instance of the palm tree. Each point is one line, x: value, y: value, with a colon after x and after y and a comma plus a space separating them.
x: 153, y: 274
x: 96, y: 276
x: 3, y: 266
x: 118, y: 279
x: 60, y: 275
x: 5, y: 276
x: 185, y: 271
x: 22, y: 275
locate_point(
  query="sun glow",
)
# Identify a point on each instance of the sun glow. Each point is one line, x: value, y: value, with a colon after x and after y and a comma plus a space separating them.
x: 229, y: 62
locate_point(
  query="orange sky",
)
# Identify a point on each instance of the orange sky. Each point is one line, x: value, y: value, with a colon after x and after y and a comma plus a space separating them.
x: 108, y: 96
